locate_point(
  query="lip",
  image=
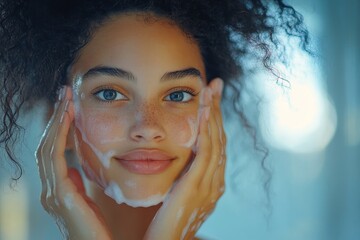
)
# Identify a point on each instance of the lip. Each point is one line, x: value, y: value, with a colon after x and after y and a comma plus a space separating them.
x: 145, y: 161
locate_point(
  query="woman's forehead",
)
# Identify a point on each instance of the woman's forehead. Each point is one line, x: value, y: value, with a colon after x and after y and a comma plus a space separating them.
x: 129, y: 42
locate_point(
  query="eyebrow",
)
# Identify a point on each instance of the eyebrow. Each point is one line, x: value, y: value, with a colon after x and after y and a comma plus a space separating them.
x: 188, y: 72
x: 109, y: 71
x: 120, y: 73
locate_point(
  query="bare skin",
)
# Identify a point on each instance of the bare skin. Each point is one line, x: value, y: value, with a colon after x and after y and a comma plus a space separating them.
x: 93, y: 215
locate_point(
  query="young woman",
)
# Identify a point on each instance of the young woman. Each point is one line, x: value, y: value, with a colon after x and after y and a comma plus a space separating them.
x: 134, y: 89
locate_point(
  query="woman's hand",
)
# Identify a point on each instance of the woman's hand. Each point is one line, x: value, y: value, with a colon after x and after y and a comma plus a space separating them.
x: 63, y: 193
x: 195, y: 195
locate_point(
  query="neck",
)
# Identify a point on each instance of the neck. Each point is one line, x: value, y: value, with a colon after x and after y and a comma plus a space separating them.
x: 124, y: 222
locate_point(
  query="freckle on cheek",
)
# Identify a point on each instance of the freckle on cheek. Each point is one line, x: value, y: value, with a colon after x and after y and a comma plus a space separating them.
x: 180, y: 128
x: 103, y: 128
x: 184, y: 130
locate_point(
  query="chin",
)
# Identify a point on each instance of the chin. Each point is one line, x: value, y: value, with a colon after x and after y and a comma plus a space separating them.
x: 137, y: 192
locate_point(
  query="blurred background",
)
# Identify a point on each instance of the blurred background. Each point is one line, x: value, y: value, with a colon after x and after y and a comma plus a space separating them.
x: 313, y: 133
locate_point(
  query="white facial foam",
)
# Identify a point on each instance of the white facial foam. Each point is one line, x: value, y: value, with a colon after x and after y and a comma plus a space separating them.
x: 194, y: 129
x: 77, y: 84
x: 103, y: 157
x: 113, y: 190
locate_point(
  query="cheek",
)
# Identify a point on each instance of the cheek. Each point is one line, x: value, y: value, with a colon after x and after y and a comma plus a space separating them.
x: 102, y: 127
x: 182, y: 129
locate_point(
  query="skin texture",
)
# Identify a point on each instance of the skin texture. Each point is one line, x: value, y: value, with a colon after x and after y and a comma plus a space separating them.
x: 148, y: 51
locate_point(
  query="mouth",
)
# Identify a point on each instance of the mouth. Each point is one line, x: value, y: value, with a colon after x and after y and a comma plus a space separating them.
x: 145, y: 161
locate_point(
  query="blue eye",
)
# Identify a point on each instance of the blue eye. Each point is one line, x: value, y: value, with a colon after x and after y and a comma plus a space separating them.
x: 179, y: 96
x: 109, y: 95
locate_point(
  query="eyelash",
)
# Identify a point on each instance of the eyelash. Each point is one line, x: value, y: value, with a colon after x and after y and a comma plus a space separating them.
x: 190, y: 91
x: 98, y: 90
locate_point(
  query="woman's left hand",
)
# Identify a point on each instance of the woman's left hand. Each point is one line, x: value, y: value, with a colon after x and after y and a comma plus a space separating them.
x: 195, y: 194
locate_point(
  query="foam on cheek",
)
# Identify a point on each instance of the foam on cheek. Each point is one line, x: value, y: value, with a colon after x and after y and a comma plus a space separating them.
x: 114, y: 191
x: 103, y: 157
x: 100, y: 180
x: 193, y: 125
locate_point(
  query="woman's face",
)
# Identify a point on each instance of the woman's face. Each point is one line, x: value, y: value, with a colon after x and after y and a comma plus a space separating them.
x: 137, y: 89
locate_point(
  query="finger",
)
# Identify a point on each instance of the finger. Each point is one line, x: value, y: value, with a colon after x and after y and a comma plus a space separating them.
x: 216, y: 86
x: 56, y: 112
x: 59, y: 145
x: 58, y: 119
x: 57, y: 161
x: 215, y: 150
x: 218, y: 181
x: 43, y: 151
x: 52, y: 136
x: 49, y: 147
x: 75, y: 176
x: 203, y: 145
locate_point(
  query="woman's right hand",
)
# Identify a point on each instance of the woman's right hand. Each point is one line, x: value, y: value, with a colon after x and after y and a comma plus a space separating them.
x: 63, y: 193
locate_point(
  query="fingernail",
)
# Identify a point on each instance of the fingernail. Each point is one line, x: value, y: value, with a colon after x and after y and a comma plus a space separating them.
x: 209, y: 129
x: 203, y: 96
x: 65, y: 110
x: 56, y: 105
x: 219, y: 87
x: 197, y: 146
x: 62, y: 92
x: 208, y: 96
x: 206, y: 113
x: 200, y: 115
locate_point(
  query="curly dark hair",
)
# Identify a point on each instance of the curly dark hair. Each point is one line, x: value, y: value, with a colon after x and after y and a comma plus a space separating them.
x: 40, y: 39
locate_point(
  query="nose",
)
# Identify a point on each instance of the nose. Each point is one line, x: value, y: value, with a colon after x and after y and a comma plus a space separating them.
x: 147, y: 129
